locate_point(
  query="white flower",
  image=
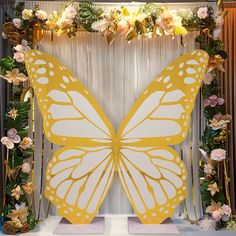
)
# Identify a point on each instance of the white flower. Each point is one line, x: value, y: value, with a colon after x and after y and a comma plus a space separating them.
x: 4, y: 35
x: 19, y: 56
x: 41, y: 15
x: 100, y: 25
x: 177, y: 20
x: 22, y: 205
x: 182, y: 12
x: 17, y: 22
x: 204, y: 153
x: 207, y: 224
x: 202, y: 12
x: 27, y: 14
x: 208, y: 168
x: 218, y: 154
x: 22, y: 48
x: 216, y: 215
x: 64, y: 22
x: 70, y: 12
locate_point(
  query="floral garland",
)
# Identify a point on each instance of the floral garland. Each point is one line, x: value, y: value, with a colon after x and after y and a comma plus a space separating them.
x: 148, y: 21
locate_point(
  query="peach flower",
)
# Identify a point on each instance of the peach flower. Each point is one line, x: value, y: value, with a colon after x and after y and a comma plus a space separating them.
x: 41, y: 15
x: 25, y: 143
x: 25, y: 167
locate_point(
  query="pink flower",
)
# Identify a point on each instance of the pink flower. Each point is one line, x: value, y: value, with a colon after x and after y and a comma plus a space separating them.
x: 208, y: 78
x: 218, y: 154
x: 227, y: 209
x: 213, y: 97
x: 41, y: 15
x: 216, y: 215
x: 166, y: 21
x: 25, y: 167
x: 202, y: 12
x: 213, y: 100
x: 11, y: 138
x: 217, y: 116
x: 219, y: 21
x: 19, y: 56
x: 220, y: 101
x: 206, y: 102
x: 16, y: 22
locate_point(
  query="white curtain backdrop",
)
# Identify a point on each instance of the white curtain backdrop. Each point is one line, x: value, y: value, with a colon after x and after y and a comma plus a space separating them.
x: 116, y: 75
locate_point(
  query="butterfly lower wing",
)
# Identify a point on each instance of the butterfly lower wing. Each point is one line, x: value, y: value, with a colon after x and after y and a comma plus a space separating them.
x: 77, y: 181
x: 154, y: 180
x: 161, y: 114
x: 70, y: 114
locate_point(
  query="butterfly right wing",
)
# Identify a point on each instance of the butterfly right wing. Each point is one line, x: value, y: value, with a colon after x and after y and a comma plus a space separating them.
x: 77, y: 181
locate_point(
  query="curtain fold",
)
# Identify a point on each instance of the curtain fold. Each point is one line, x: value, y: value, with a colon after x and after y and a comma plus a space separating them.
x: 5, y: 50
x: 116, y: 75
x: 229, y: 89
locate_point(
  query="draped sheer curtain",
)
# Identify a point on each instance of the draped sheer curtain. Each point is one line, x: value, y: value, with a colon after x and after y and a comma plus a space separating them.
x: 229, y: 91
x: 116, y: 75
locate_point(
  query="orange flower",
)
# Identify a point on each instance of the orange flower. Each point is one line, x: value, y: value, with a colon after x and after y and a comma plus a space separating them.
x: 216, y: 62
x: 25, y: 143
x: 28, y: 187
x: 12, y: 113
x: 14, y: 77
x: 16, y: 192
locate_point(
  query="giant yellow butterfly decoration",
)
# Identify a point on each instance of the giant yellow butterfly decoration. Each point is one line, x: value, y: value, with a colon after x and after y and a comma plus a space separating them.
x: 80, y: 174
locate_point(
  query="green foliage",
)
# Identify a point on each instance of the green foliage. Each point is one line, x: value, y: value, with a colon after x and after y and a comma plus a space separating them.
x: 31, y: 219
x: 208, y: 136
x: 88, y: 14
x: 21, y: 121
x: 7, y: 64
x: 195, y: 23
x: 205, y: 194
x: 18, y: 9
x: 153, y: 10
x: 210, y: 89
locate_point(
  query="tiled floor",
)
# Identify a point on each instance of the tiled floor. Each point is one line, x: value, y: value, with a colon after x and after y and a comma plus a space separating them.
x: 118, y: 225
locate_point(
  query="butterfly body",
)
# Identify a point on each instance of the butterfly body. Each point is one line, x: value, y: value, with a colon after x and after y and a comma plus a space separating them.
x: 151, y: 173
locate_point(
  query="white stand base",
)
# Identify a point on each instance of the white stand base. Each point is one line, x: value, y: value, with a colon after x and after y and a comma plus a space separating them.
x: 95, y: 227
x: 136, y: 227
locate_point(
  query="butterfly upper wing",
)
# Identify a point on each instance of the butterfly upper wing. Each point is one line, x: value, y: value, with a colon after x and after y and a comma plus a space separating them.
x: 161, y: 114
x: 151, y: 173
x: 80, y: 174
x: 70, y: 114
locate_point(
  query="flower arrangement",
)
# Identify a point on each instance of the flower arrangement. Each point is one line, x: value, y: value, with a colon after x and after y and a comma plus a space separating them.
x: 148, y: 21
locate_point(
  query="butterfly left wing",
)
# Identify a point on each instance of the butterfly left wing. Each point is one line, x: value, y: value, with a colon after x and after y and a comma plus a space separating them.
x: 77, y: 181
x: 71, y: 115
x: 78, y: 175
x: 151, y: 173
